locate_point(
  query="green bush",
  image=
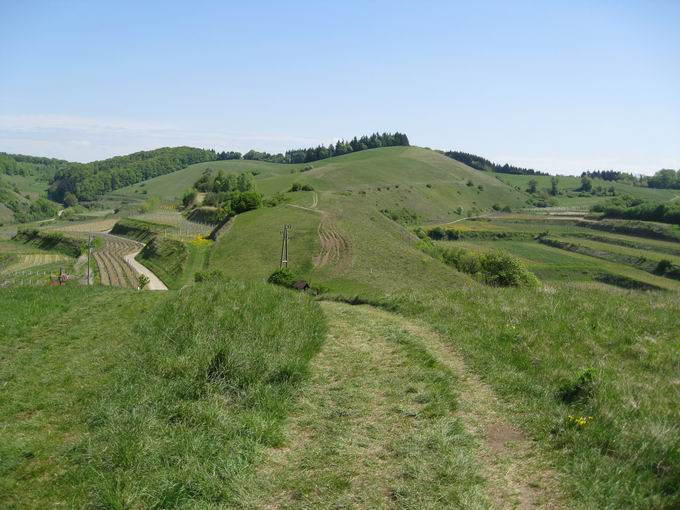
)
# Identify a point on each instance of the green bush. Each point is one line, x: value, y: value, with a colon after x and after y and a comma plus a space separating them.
x: 283, y: 277
x: 502, y: 270
x: 208, y: 276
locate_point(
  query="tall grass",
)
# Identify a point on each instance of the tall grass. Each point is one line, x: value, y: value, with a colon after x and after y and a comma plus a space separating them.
x: 616, y: 353
x: 207, y: 385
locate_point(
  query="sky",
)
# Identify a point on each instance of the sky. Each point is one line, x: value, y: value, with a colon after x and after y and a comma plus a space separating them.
x: 559, y: 86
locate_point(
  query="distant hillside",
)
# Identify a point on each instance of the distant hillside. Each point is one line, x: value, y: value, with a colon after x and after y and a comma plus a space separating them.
x: 87, y: 181
x: 480, y: 163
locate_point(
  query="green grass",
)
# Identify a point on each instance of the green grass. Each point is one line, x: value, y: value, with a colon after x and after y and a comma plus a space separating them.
x: 569, y: 184
x: 58, y: 346
x: 376, y: 427
x: 147, y: 399
x: 529, y: 344
x: 252, y: 248
x: 29, y: 184
x: 172, y: 186
x: 175, y: 262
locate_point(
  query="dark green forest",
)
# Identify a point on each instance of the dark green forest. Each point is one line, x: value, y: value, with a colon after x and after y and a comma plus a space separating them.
x: 86, y: 181
x: 480, y: 163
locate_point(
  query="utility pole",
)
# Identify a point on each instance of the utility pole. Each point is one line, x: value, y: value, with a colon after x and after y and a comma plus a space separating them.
x: 284, y: 247
x: 89, y: 249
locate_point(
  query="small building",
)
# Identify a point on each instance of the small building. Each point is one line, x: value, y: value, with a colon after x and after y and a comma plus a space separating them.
x: 301, y: 285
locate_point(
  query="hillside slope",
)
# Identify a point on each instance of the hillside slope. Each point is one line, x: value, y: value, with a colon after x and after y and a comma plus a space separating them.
x: 341, y: 234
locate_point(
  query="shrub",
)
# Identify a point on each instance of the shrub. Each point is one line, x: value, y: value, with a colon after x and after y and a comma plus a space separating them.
x: 437, y: 233
x: 663, y: 266
x: 502, y: 270
x: 142, y: 281
x: 208, y: 276
x: 283, y: 277
x: 581, y: 388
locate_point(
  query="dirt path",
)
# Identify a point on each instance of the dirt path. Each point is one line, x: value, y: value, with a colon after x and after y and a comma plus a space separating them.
x: 155, y: 283
x: 334, y: 246
x: 392, y: 418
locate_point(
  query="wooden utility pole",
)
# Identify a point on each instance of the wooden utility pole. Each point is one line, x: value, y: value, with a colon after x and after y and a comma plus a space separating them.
x: 284, y: 247
x: 89, y: 249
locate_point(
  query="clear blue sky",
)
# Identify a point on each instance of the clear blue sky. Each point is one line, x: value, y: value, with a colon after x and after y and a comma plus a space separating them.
x: 558, y: 86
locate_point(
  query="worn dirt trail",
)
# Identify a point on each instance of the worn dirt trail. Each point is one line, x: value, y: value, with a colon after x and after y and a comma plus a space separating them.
x: 373, y: 429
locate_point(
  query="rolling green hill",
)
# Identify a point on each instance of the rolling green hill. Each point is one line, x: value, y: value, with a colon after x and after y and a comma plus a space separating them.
x: 569, y: 185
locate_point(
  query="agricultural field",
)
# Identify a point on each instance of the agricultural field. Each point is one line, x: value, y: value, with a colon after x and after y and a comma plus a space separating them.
x: 83, y: 227
x: 112, y: 268
x: 181, y: 228
x: 570, y: 197
x: 559, y: 249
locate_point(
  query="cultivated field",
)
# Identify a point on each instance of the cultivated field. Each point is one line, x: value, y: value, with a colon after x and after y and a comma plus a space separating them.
x: 180, y: 229
x: 112, y: 267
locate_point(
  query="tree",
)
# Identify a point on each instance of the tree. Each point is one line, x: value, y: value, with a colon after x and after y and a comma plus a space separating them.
x: 553, y: 186
x: 142, y: 281
x: 244, y: 182
x: 189, y: 197
x: 533, y: 186
x: 586, y: 184
x: 70, y: 199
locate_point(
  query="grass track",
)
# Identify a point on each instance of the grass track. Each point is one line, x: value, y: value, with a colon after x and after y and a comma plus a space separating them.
x: 382, y: 424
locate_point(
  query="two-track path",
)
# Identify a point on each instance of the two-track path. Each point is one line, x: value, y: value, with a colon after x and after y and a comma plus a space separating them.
x: 392, y: 418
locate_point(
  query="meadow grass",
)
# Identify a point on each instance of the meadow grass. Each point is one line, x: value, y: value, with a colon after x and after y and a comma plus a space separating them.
x: 568, y: 186
x: 583, y: 352
x: 57, y: 349
x: 207, y: 384
x: 124, y: 399
x: 376, y: 426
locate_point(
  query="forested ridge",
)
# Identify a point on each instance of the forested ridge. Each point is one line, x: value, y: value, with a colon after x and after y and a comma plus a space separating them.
x: 341, y: 147
x: 86, y: 181
x: 480, y: 163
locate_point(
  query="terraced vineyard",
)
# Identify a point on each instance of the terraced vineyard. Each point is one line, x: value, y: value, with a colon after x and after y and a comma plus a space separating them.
x: 33, y: 260
x: 181, y: 228
x: 556, y: 249
x: 86, y: 227
x: 110, y: 258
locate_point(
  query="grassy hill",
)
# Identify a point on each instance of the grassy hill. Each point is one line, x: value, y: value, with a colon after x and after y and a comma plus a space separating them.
x: 454, y: 394
x: 433, y: 185
x: 569, y: 185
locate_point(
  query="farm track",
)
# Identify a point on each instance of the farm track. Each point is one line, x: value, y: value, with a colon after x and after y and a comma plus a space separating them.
x: 334, y: 246
x: 349, y: 444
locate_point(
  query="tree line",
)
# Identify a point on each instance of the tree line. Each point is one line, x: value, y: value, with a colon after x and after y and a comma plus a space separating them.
x: 663, y: 179
x: 632, y: 208
x: 480, y: 163
x: 341, y: 147
x: 86, y: 181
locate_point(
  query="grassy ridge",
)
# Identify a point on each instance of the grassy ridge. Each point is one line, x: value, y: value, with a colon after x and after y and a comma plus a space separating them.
x: 145, y: 413
x: 57, y: 349
x: 533, y: 346
x: 209, y: 384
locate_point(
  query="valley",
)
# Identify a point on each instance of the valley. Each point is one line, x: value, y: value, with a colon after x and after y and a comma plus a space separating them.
x: 458, y: 346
